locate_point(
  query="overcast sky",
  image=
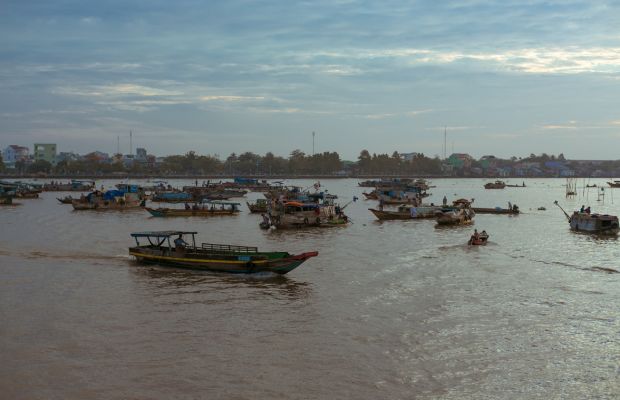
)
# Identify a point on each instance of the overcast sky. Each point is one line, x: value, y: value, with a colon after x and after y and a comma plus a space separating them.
x: 503, y: 77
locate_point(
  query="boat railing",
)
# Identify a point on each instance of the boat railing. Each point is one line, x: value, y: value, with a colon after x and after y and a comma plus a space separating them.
x: 227, y: 248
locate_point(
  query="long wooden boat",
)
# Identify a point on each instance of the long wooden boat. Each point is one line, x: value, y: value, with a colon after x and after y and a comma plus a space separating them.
x: 495, y: 185
x: 73, y: 186
x: 211, y: 257
x: 172, y: 212
x: 405, y: 212
x: 497, y: 210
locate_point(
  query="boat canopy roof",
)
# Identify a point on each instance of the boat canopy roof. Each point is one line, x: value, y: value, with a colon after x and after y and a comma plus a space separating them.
x: 162, y: 234
x: 221, y: 202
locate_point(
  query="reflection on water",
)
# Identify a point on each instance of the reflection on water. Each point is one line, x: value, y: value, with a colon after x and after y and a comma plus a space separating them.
x: 394, y: 309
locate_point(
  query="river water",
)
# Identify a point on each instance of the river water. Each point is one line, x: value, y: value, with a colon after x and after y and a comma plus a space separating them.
x: 388, y: 310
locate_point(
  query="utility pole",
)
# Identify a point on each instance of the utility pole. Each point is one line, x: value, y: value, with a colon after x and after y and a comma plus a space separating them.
x: 130, y: 142
x: 445, y: 129
x: 313, y: 134
x: 118, y: 145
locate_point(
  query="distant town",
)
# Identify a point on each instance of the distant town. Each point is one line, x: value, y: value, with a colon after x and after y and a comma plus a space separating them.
x: 46, y: 161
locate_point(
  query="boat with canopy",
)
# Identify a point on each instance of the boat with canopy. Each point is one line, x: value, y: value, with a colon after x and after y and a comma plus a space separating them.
x: 207, y: 208
x: 170, y: 249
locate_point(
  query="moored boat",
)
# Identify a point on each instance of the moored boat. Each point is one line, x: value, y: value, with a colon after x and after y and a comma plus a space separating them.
x: 497, y: 210
x: 408, y: 212
x: 205, y: 209
x: 211, y: 257
x: 110, y: 200
x: 259, y: 206
x: 294, y: 214
x: 74, y: 185
x: 495, y: 185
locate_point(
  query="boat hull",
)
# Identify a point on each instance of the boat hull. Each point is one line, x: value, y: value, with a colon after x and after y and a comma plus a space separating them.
x: 244, y: 265
x: 167, y: 212
x: 595, y: 224
x: 404, y: 215
x: 480, y: 210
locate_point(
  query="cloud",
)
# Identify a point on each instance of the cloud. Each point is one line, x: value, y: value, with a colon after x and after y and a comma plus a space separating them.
x: 230, y: 98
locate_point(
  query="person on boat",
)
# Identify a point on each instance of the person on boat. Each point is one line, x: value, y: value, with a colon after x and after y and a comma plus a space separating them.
x: 381, y: 204
x: 445, y: 201
x: 484, y: 234
x: 179, y: 243
x: 588, y: 210
x: 187, y: 207
x: 583, y: 209
x: 475, y: 236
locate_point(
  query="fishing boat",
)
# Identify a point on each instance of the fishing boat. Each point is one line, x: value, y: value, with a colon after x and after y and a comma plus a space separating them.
x: 478, y: 240
x: 462, y: 216
x: 408, y: 212
x: 497, y: 210
x: 495, y: 185
x: 259, y: 206
x: 294, y: 214
x: 205, y: 209
x: 601, y: 224
x: 109, y: 200
x: 211, y: 257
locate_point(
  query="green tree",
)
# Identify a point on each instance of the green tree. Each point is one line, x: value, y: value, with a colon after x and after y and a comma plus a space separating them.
x: 40, y: 166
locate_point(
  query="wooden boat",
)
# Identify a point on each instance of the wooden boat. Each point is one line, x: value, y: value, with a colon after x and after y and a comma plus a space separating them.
x: 205, y: 209
x: 73, y: 186
x: 260, y: 206
x: 614, y: 184
x: 601, y: 224
x: 463, y: 216
x: 495, y: 185
x: 65, y: 200
x: 478, y: 241
x: 6, y: 200
x: 405, y: 212
x: 371, y: 196
x: 497, y: 210
x: 295, y: 214
x: 110, y: 200
x: 212, y: 257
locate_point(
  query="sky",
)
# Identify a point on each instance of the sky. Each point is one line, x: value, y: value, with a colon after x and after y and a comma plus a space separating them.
x: 504, y: 77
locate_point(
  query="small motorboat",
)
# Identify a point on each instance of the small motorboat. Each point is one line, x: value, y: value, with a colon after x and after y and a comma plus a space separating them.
x: 478, y: 240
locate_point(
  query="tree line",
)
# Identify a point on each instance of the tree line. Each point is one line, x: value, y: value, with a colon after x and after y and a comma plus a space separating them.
x: 247, y: 163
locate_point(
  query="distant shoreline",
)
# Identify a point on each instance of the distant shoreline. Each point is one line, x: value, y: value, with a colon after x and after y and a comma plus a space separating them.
x: 275, y: 177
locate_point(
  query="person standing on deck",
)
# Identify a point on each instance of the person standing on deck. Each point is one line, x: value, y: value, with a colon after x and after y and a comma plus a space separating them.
x: 445, y: 201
